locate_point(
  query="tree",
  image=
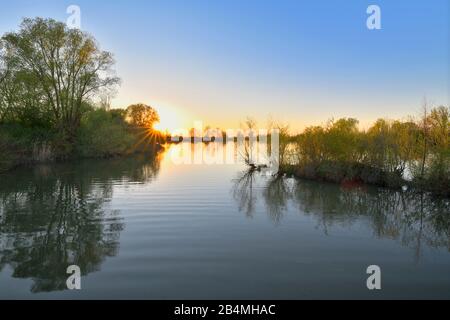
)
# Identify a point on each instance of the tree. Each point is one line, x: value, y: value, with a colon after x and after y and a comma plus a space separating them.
x: 439, y: 120
x: 439, y: 133
x: 142, y: 115
x: 3, y: 65
x: 63, y: 67
x: 250, y: 123
x: 424, y: 127
x: 341, y: 140
x: 3, y: 76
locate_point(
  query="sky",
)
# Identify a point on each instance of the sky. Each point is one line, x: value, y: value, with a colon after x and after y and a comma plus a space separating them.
x: 297, y: 62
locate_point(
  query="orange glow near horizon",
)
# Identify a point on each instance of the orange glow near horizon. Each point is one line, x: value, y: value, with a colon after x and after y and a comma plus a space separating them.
x: 173, y: 119
x: 170, y: 119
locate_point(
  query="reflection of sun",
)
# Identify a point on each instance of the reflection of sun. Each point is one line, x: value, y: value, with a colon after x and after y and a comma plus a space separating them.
x: 169, y: 119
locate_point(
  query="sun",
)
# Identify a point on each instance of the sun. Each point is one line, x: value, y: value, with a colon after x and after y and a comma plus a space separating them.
x: 169, y: 119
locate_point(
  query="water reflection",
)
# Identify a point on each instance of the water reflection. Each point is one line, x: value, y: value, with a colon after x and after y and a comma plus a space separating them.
x: 276, y: 195
x: 58, y: 215
x: 244, y: 192
x: 415, y: 220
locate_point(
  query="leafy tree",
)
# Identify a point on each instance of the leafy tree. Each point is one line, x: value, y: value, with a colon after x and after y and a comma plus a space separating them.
x: 341, y: 138
x: 439, y: 133
x: 142, y: 115
x: 54, y: 71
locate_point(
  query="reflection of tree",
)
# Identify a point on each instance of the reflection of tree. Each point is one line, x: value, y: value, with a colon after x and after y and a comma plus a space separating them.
x: 413, y: 219
x: 52, y: 217
x: 243, y: 192
x: 276, y: 196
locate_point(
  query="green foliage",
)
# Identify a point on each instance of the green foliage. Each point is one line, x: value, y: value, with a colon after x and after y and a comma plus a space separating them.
x: 103, y: 134
x: 20, y: 144
x: 49, y: 76
x: 141, y: 115
x: 389, y: 153
x: 436, y: 159
x: 48, y: 73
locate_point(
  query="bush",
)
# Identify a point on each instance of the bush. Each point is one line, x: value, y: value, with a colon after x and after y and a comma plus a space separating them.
x: 389, y: 153
x: 20, y: 144
x: 103, y: 134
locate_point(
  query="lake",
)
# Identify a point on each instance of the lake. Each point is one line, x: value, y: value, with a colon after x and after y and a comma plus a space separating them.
x: 149, y: 227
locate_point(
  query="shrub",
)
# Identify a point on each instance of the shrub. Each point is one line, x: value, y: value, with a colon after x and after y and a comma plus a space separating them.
x: 103, y: 134
x: 20, y: 144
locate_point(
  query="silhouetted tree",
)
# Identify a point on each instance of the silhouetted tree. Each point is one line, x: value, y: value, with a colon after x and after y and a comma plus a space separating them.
x: 142, y: 115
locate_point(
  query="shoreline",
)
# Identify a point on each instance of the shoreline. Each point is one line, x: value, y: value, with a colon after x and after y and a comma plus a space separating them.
x: 357, y: 181
x: 359, y: 177
x: 27, y: 164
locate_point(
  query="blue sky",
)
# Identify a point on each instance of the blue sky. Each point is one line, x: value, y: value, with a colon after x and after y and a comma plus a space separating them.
x: 301, y: 62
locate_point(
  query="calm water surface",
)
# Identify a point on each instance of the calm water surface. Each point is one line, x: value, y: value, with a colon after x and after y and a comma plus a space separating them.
x: 147, y: 228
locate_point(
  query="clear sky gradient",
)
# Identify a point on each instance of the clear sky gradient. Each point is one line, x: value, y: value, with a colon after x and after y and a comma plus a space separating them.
x: 301, y: 62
